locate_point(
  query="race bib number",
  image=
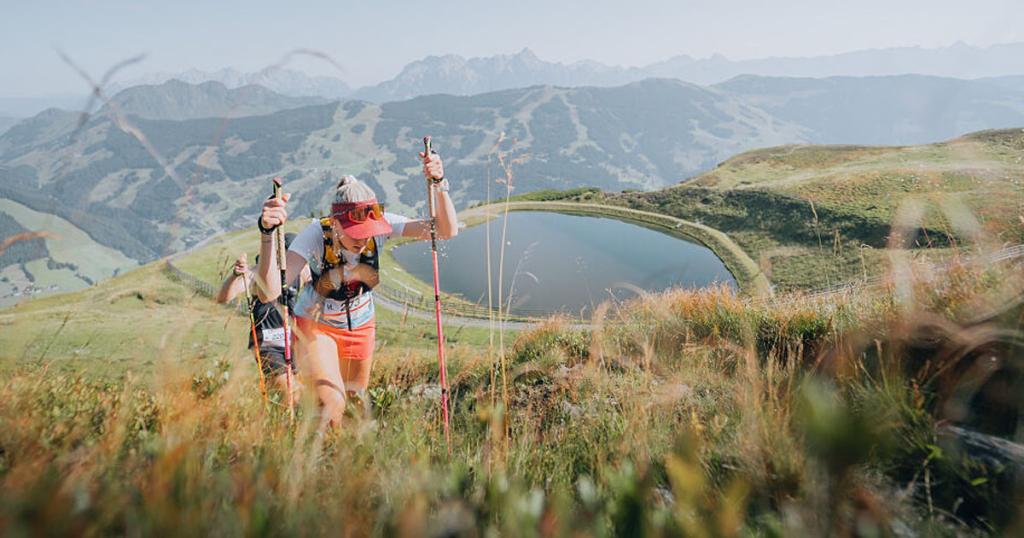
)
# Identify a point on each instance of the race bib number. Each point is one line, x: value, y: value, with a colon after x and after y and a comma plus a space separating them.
x: 274, y: 336
x: 332, y: 306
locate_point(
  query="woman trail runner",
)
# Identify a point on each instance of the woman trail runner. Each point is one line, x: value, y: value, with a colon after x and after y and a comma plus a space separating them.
x: 335, y: 262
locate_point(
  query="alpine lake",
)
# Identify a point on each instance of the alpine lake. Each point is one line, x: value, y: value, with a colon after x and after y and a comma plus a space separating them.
x: 555, y: 262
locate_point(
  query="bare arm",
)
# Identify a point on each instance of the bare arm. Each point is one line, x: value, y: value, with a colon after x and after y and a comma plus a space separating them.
x: 447, y: 219
x: 268, y: 281
x: 235, y: 282
x: 268, y: 276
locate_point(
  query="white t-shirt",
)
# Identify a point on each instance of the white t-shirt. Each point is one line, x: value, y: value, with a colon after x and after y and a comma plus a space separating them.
x: 310, y: 245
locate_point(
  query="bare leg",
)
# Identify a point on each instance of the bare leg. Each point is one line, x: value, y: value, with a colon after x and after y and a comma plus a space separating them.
x: 280, y: 383
x: 319, y: 365
x: 356, y: 373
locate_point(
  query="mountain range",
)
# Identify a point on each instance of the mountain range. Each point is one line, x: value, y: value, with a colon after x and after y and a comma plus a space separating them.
x: 286, y: 82
x: 213, y: 172
x: 457, y: 75
x: 177, y: 100
x: 277, y: 79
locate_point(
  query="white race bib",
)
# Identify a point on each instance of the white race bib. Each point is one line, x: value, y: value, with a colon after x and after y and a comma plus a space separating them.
x: 273, y: 336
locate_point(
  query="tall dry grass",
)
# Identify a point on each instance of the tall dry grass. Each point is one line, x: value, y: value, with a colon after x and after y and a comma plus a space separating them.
x: 683, y: 413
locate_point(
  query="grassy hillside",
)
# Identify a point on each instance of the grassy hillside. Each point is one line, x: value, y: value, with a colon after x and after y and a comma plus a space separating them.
x: 819, y: 215
x: 67, y: 259
x: 984, y: 171
x: 144, y: 320
x: 686, y: 413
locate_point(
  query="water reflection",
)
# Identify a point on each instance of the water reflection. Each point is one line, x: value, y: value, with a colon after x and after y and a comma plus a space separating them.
x: 568, y: 263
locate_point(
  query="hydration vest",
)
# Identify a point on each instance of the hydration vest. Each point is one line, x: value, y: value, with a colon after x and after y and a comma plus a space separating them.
x: 331, y: 259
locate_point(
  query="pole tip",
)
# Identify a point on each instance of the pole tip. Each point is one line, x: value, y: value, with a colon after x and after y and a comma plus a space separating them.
x: 277, y: 182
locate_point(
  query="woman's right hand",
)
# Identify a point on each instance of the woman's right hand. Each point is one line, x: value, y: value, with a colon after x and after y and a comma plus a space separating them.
x: 275, y: 211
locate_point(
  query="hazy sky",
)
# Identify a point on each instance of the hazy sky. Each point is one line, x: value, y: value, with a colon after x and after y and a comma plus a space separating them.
x: 374, y: 39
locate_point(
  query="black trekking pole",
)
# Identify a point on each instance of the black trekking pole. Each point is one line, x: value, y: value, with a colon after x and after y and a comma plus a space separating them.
x: 437, y: 299
x: 279, y: 240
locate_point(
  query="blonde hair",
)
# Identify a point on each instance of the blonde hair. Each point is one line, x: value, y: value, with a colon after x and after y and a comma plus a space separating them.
x: 351, y: 190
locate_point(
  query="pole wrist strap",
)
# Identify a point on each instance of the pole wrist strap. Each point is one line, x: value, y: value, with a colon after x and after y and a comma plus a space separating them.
x: 264, y: 231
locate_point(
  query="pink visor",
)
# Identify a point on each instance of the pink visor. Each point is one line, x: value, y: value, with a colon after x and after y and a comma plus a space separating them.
x: 361, y: 220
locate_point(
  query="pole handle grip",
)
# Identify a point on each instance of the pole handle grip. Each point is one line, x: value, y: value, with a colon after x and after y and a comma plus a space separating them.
x: 431, y: 208
x: 279, y: 240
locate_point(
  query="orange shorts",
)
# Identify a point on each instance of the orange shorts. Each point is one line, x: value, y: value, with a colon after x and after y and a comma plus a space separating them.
x: 356, y: 344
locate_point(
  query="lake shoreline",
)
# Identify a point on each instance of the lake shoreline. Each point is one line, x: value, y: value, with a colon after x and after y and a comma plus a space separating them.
x: 708, y: 240
x: 748, y: 275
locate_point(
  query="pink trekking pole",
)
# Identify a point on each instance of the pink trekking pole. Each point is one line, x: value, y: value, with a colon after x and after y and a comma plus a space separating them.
x: 437, y: 299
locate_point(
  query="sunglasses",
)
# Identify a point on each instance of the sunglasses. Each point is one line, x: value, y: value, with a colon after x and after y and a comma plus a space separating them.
x: 360, y: 213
